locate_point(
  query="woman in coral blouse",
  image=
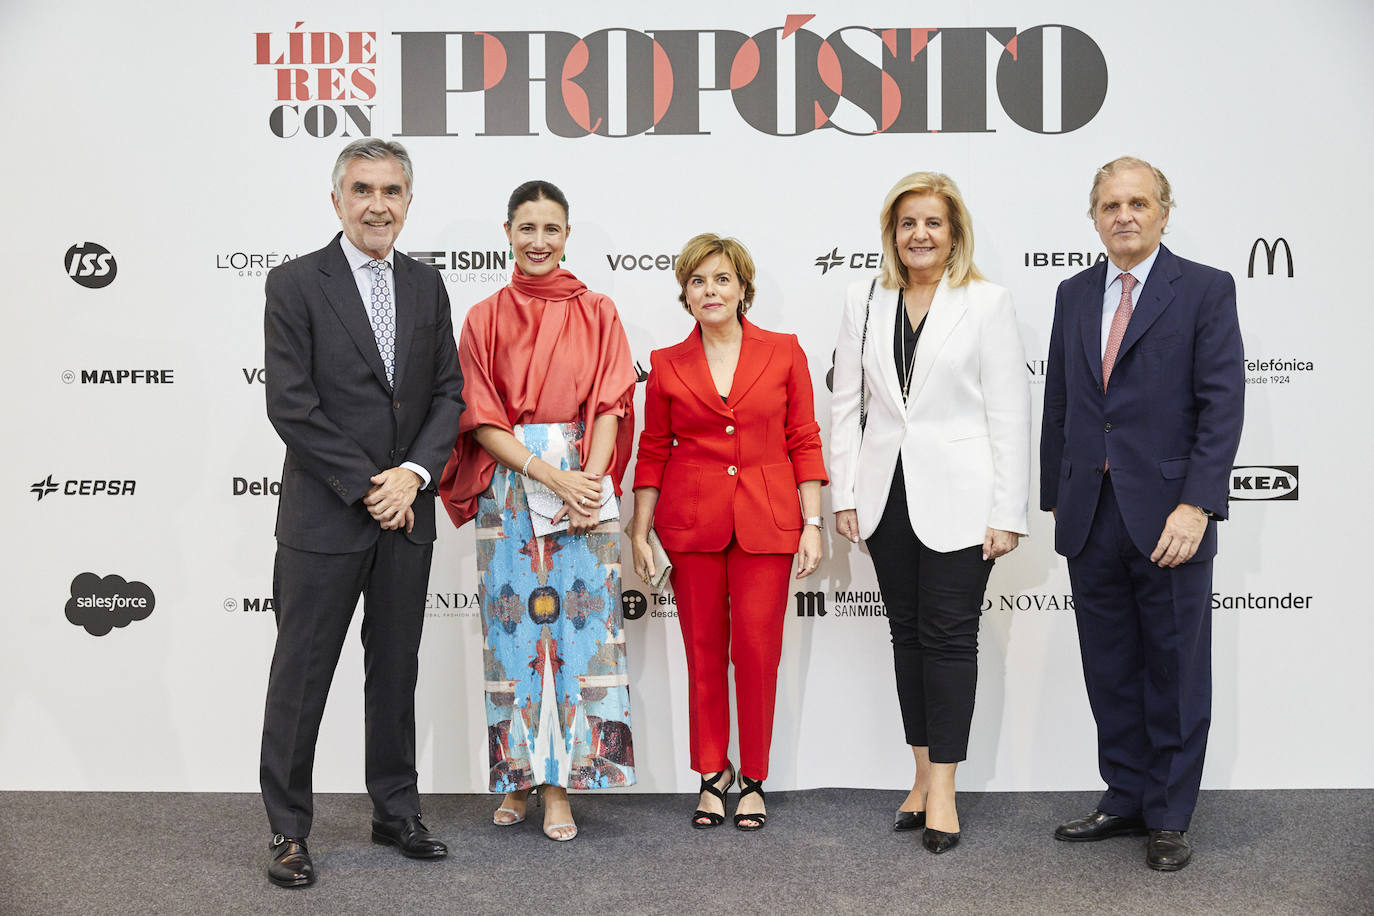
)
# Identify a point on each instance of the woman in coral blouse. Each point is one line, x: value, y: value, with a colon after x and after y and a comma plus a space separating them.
x: 544, y: 441
x: 730, y: 437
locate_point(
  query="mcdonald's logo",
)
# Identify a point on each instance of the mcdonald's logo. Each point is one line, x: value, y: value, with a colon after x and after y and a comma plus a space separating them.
x: 1270, y: 253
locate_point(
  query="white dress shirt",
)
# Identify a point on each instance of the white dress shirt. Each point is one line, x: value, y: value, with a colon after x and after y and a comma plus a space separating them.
x: 358, y: 262
x: 1111, y: 297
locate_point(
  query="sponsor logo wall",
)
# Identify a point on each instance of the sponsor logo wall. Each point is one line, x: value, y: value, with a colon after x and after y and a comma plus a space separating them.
x: 140, y: 545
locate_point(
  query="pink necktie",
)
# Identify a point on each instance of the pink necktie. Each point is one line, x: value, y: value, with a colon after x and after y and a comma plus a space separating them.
x: 1118, y: 331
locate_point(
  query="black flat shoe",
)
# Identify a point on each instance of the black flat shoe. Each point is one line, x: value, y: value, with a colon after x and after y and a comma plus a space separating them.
x: 937, y: 841
x: 410, y: 836
x: 750, y: 786
x: 1168, y: 850
x: 909, y: 820
x: 708, y: 785
x: 1098, y: 825
x: 290, y: 865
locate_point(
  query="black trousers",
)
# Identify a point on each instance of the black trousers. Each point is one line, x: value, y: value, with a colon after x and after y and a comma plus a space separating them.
x: 934, y: 605
x: 314, y: 595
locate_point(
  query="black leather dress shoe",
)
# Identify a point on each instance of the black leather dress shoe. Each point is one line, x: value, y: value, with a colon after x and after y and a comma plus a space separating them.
x: 290, y: 865
x: 909, y: 820
x: 410, y: 836
x: 1168, y: 850
x: 938, y: 841
x: 1098, y: 826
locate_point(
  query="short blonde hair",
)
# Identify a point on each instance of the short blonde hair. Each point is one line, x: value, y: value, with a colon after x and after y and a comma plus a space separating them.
x: 959, y: 266
x: 1163, y: 193
x: 708, y: 245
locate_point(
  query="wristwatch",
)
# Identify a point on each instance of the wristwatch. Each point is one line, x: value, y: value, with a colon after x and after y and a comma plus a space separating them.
x: 813, y: 520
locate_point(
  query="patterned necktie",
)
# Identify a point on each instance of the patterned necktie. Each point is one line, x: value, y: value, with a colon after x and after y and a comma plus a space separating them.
x: 1118, y: 331
x: 382, y: 315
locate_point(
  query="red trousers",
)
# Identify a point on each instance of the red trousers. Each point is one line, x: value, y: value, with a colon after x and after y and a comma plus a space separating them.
x: 731, y: 605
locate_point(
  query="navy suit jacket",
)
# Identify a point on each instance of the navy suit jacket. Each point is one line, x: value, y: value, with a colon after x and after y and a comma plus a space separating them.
x: 1169, y: 421
x: 328, y: 398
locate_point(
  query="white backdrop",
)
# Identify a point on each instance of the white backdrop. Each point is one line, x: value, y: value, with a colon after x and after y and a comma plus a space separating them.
x: 151, y: 136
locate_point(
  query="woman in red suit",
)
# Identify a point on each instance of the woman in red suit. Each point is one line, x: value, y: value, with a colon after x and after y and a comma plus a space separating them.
x: 729, y: 439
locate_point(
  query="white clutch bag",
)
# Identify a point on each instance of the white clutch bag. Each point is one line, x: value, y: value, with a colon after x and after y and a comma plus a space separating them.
x: 544, y: 505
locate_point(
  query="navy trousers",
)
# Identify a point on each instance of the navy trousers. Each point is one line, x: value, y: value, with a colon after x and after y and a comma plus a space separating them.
x: 1146, y: 638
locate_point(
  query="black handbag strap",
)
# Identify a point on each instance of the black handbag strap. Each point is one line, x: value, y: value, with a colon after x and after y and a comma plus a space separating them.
x: 863, y: 343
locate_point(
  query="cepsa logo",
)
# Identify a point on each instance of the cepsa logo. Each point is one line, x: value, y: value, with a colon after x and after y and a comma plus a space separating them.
x: 785, y: 80
x: 91, y: 265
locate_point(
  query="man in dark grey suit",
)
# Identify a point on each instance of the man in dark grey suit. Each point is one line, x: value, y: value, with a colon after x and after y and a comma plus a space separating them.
x: 363, y: 386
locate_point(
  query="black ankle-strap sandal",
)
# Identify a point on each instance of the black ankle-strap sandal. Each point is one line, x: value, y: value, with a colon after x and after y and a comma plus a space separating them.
x: 747, y: 786
x: 708, y: 785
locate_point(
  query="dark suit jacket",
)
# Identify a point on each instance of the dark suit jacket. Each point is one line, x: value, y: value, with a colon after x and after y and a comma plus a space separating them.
x: 730, y: 468
x: 1170, y: 419
x: 327, y: 396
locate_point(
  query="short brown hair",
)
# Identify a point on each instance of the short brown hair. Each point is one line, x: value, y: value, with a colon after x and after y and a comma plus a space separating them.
x: 1163, y: 193
x: 960, y: 266
x: 707, y: 245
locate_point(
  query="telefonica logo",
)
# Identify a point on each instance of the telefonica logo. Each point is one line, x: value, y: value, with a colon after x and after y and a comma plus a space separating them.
x: 1270, y: 254
x: 784, y: 80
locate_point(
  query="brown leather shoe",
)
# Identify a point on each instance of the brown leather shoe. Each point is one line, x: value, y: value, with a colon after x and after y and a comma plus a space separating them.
x: 290, y: 865
x: 410, y: 836
x: 1098, y: 825
x: 1168, y: 850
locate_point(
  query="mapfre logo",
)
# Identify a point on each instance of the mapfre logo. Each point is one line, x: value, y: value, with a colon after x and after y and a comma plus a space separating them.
x: 85, y: 487
x: 99, y: 604
x: 854, y: 260
x: 1258, y: 482
x: 1270, y: 255
x: 91, y: 265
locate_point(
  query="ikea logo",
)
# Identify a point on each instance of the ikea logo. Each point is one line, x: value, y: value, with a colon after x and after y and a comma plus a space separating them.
x: 1269, y: 482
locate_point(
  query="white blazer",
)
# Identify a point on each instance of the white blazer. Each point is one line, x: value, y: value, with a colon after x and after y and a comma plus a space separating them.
x: 964, y: 436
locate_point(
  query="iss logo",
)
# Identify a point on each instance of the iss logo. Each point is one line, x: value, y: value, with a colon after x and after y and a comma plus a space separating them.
x: 1277, y: 482
x: 91, y: 265
x: 633, y: 604
x: 99, y: 604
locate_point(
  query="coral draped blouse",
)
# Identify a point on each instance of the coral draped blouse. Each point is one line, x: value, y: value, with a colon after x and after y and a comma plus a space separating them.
x: 541, y: 350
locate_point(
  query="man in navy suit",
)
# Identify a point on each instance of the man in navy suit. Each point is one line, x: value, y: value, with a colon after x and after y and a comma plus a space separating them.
x: 1144, y: 398
x: 363, y: 386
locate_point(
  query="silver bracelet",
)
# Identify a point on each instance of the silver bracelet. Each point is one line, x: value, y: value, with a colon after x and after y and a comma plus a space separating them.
x: 525, y: 468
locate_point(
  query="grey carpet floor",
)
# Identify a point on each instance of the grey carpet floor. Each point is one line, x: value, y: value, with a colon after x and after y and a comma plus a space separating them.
x: 824, y: 851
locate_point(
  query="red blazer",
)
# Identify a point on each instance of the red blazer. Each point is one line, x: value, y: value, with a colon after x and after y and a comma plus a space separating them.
x: 730, y: 468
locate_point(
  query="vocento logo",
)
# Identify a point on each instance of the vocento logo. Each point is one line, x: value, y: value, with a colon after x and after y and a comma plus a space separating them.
x: 100, y: 604
x: 784, y: 80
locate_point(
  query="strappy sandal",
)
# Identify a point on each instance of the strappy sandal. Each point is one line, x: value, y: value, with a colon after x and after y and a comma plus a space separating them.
x: 519, y: 818
x: 748, y: 786
x: 708, y: 785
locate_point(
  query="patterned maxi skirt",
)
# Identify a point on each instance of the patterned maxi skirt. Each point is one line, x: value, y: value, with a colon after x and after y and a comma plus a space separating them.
x: 557, y: 683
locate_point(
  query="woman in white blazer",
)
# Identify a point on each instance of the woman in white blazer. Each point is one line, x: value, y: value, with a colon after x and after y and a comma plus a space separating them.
x: 930, y: 462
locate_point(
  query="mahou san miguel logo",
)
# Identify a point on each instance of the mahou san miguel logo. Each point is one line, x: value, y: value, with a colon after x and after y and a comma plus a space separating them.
x: 784, y: 81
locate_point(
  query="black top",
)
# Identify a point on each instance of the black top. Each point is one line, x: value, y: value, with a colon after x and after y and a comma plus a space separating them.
x: 904, y: 344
